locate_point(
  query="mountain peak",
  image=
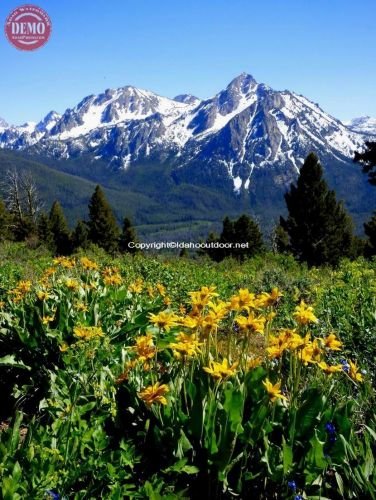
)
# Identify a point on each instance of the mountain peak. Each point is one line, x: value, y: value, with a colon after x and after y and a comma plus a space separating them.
x: 187, y: 99
x: 3, y: 123
x: 242, y: 82
x: 362, y: 124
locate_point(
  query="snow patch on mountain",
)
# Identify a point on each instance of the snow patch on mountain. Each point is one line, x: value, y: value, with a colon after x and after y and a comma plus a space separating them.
x: 363, y: 124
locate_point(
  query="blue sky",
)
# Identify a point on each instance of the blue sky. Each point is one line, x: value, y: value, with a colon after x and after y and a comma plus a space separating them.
x: 323, y: 49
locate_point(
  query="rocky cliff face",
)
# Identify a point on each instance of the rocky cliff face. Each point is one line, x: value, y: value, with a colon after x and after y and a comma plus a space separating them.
x: 222, y: 141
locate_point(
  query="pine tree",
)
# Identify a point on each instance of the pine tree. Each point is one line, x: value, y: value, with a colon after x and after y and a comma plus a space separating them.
x: 319, y: 229
x: 280, y: 242
x: 80, y: 235
x: 59, y: 229
x: 227, y: 237
x: 246, y: 231
x: 103, y: 230
x: 370, y: 230
x: 215, y: 254
x: 44, y: 231
x: 128, y: 237
x: 368, y: 160
x: 242, y: 231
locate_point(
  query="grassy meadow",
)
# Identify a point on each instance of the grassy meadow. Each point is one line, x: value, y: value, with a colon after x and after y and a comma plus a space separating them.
x: 165, y: 378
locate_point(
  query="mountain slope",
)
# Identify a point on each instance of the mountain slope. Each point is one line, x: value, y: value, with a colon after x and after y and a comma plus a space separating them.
x: 237, y: 151
x: 363, y: 125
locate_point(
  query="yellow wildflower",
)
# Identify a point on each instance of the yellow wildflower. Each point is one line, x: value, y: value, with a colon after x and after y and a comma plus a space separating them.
x: 49, y: 272
x: 64, y: 347
x: 254, y: 362
x: 268, y: 299
x: 88, y: 332
x: 108, y: 271
x: 218, y: 309
x: 144, y: 348
x: 164, y: 319
x: 47, y: 319
x: 354, y: 372
x: 186, y: 345
x: 167, y: 301
x: 81, y: 306
x: 251, y: 323
x: 221, y: 370
x: 43, y: 295
x: 72, y: 284
x: 161, y: 289
x: 274, y: 391
x: 277, y: 346
x: 202, y: 297
x: 136, y: 286
x: 88, y: 264
x: 154, y: 394
x: 64, y: 262
x: 331, y: 342
x: 191, y: 321
x: 311, y: 353
x: 329, y: 369
x: 112, y: 279
x: 182, y: 309
x: 24, y: 286
x: 304, y: 314
x: 210, y: 322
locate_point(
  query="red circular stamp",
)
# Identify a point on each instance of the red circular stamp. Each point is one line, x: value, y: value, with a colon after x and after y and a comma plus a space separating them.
x: 28, y: 27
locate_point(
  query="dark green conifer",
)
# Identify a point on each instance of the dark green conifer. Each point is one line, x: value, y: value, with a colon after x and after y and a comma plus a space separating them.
x: 247, y: 232
x: 59, y: 229
x: 227, y: 237
x: 215, y: 254
x: 44, y: 231
x: 370, y: 230
x: 128, y: 237
x: 319, y: 229
x: 280, y: 241
x: 368, y: 160
x: 80, y: 235
x: 103, y: 230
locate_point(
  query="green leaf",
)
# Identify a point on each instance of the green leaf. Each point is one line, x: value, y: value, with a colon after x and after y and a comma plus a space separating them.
x: 181, y: 466
x: 287, y: 457
x: 340, y: 484
x: 315, y: 456
x: 10, y: 360
x: 307, y: 414
x: 234, y: 407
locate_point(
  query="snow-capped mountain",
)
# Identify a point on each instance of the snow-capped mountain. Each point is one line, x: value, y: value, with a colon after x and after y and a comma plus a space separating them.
x: 187, y: 99
x: 3, y: 123
x: 363, y: 124
x: 246, y: 127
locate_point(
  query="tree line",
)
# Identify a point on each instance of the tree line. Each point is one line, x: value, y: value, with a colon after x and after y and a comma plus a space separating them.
x: 317, y: 229
x: 22, y: 218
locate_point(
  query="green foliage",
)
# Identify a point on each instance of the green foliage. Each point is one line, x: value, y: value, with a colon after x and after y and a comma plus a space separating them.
x: 370, y: 230
x: 80, y: 236
x: 59, y: 229
x: 128, y: 237
x: 103, y: 230
x: 368, y: 160
x: 240, y: 239
x: 5, y: 221
x: 318, y: 226
x: 74, y: 422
